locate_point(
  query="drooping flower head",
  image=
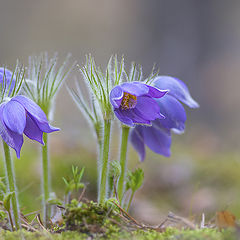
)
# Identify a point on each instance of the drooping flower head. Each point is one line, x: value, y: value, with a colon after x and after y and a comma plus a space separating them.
x: 18, y: 114
x: 158, y: 136
x: 21, y: 115
x: 134, y: 103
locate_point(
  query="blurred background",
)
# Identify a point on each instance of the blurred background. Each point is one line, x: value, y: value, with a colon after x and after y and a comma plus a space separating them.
x: 196, y: 41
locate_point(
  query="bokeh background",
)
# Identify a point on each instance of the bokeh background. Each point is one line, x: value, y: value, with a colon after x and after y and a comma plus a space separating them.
x: 196, y: 41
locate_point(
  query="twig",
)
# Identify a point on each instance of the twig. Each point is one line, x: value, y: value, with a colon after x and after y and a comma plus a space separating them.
x: 40, y: 222
x: 33, y: 219
x: 26, y: 224
x: 161, y: 224
x: 31, y: 213
x: 27, y: 227
x: 185, y: 221
x: 130, y: 217
x: 61, y: 207
x: 23, y: 218
x: 82, y: 193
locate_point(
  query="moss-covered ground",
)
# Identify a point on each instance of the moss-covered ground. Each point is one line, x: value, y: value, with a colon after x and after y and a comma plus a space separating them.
x: 169, y: 234
x: 88, y: 220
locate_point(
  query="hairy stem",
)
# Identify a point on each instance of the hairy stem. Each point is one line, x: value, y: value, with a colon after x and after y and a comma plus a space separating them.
x: 11, y: 185
x: 45, y: 177
x: 123, y: 162
x: 104, y: 161
x: 99, y: 168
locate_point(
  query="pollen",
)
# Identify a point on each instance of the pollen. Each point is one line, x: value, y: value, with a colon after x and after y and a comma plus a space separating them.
x: 128, y: 101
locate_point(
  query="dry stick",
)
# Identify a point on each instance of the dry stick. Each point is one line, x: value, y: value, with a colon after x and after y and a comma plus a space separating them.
x: 40, y: 222
x: 61, y: 207
x: 149, y: 227
x: 27, y: 227
x: 22, y: 217
x: 185, y: 221
x: 139, y: 224
x: 161, y: 224
x: 31, y: 213
x: 33, y: 219
x: 82, y: 193
x: 130, y: 217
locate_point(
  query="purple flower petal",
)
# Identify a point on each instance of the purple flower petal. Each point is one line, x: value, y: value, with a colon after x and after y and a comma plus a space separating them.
x: 174, y: 112
x: 176, y: 89
x: 123, y: 118
x: 116, y: 96
x: 36, y: 114
x: 31, y: 107
x: 43, y: 125
x: 129, y: 117
x: 32, y: 131
x: 147, y: 108
x: 135, y: 88
x: 136, y: 138
x: 14, y: 116
x: 159, y: 141
x: 12, y: 139
x: 156, y: 93
x: 17, y: 142
x: 134, y: 103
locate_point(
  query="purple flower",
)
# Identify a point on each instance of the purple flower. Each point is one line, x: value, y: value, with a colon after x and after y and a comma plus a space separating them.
x: 158, y: 136
x: 6, y: 79
x: 21, y: 115
x: 134, y: 103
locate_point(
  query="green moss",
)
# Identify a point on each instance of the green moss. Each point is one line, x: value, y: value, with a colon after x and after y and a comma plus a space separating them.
x: 91, y: 218
x: 169, y: 234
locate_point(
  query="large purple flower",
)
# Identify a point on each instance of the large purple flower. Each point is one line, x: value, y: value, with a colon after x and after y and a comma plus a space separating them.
x: 21, y: 115
x: 7, y: 78
x: 158, y: 136
x: 134, y: 103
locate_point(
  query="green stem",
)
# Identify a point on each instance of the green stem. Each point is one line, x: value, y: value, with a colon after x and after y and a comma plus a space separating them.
x: 123, y: 162
x: 99, y: 166
x: 11, y: 185
x: 45, y: 177
x: 104, y: 161
x: 130, y: 201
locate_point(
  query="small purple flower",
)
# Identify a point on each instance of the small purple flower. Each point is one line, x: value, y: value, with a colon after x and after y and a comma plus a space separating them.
x: 21, y: 115
x: 134, y: 103
x: 158, y: 136
x: 6, y: 79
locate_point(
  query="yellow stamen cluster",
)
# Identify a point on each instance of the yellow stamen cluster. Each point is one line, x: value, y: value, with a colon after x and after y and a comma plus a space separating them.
x: 128, y: 101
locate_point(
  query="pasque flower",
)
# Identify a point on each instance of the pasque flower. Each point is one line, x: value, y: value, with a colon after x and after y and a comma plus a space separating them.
x: 21, y: 115
x: 134, y: 103
x: 158, y: 136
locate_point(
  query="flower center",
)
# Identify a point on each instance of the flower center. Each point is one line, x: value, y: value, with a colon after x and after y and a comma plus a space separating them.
x: 128, y: 101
